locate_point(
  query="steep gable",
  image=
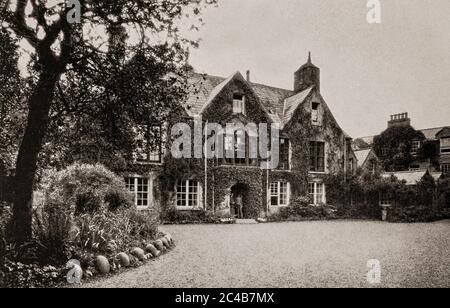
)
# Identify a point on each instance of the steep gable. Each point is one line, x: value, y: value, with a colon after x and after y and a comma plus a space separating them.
x: 278, y: 104
x: 443, y: 133
x: 292, y: 103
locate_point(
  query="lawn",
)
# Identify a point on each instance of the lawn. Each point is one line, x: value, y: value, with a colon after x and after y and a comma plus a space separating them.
x: 306, y: 254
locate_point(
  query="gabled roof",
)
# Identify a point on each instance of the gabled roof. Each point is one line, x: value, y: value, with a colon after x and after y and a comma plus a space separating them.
x: 280, y: 104
x: 410, y: 177
x: 292, y: 103
x: 429, y: 133
x: 216, y: 91
x: 445, y: 132
x: 200, y: 88
x: 437, y: 176
x: 362, y: 156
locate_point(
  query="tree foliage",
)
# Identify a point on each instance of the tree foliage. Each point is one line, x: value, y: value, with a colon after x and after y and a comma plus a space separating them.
x: 393, y: 147
x: 96, y: 56
x: 12, y: 106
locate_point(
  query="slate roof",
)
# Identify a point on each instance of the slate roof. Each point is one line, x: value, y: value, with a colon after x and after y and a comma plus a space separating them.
x: 291, y: 104
x: 437, y: 175
x: 279, y: 103
x: 430, y: 134
x: 362, y: 156
x: 410, y: 177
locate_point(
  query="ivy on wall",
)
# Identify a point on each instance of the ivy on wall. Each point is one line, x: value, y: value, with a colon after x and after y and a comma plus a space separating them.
x: 393, y: 147
x: 221, y: 179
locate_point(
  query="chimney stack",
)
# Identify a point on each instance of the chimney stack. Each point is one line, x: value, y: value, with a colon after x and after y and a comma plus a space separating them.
x: 306, y: 76
x: 399, y: 120
x: 248, y: 76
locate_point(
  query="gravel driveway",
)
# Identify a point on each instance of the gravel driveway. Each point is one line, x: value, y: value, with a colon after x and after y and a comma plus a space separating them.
x: 308, y: 254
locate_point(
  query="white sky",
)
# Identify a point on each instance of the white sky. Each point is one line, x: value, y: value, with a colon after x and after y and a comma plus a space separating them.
x: 368, y: 71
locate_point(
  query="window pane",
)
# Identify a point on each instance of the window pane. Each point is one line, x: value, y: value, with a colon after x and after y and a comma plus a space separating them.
x: 283, y: 193
x: 284, y: 154
x: 181, y: 194
x: 142, y: 192
x: 445, y: 142
x: 312, y: 156
x: 274, y: 200
x: 321, y: 157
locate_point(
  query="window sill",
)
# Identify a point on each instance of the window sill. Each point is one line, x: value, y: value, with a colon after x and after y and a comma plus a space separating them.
x: 143, y: 208
x: 319, y: 173
x: 282, y: 170
x: 188, y: 208
x: 147, y: 163
x: 239, y: 166
x: 279, y: 206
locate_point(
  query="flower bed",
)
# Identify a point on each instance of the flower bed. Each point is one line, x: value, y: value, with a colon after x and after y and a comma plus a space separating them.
x: 86, y: 227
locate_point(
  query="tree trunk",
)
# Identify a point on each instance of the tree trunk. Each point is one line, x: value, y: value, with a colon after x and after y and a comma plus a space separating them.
x: 27, y: 159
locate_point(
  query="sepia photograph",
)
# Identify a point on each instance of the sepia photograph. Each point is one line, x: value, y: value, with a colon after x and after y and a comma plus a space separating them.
x: 224, y: 151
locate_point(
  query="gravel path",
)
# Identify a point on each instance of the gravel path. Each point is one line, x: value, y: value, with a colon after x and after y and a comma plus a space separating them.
x: 309, y: 254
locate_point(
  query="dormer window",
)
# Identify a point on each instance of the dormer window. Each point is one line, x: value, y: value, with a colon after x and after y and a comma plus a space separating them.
x: 238, y: 104
x: 315, y: 113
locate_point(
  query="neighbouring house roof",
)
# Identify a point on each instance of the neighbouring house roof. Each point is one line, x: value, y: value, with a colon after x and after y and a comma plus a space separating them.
x: 437, y: 175
x: 362, y: 156
x: 429, y: 133
x: 410, y: 177
x: 280, y: 104
x: 443, y: 133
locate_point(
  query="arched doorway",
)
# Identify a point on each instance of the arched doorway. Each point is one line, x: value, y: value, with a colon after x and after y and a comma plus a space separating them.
x: 239, y: 201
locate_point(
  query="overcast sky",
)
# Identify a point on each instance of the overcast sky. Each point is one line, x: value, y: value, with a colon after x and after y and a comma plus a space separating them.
x: 368, y: 71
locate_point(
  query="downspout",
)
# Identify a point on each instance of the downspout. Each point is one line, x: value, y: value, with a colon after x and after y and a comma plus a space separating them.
x: 206, y: 166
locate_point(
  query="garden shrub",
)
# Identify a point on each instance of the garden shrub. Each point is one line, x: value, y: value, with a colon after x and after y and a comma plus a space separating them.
x: 109, y: 232
x: 6, y: 230
x: 86, y: 189
x: 411, y: 214
x: 301, y: 209
x: 172, y: 215
x: 144, y: 224
x: 20, y: 275
x: 52, y: 230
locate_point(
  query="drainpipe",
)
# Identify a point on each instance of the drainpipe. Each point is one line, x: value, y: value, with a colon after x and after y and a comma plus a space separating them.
x: 267, y: 188
x: 206, y: 167
x: 345, y: 159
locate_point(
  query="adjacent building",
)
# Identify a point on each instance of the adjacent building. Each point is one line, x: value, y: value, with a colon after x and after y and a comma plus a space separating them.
x: 440, y: 136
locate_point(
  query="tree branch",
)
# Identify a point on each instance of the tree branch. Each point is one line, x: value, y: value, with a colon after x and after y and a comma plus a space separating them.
x: 19, y: 24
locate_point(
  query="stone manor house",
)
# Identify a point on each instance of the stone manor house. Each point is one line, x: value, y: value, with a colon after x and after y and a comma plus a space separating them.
x: 311, y: 145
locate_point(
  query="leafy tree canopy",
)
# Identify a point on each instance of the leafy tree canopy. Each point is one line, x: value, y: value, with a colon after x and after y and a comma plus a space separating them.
x: 12, y: 103
x: 394, y: 145
x: 121, y: 51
